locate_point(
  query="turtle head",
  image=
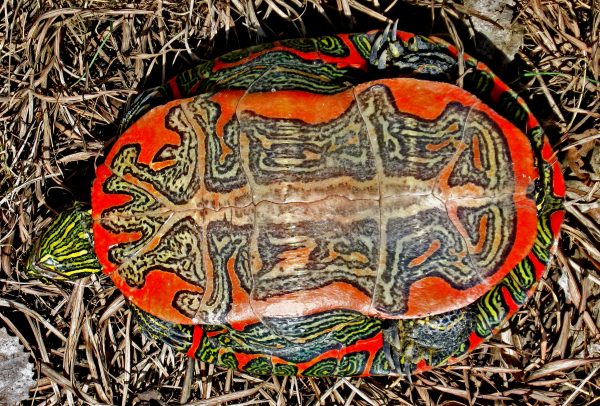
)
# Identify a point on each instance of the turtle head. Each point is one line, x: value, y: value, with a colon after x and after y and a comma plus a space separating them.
x: 65, y: 251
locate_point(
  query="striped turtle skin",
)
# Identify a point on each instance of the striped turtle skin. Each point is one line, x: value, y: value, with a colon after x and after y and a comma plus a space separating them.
x: 328, y: 206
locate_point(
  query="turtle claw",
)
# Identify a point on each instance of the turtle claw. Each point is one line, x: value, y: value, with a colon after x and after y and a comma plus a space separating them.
x: 407, y: 371
x: 391, y: 344
x: 386, y: 48
x: 395, y: 30
x: 413, y: 56
x: 382, y: 61
x: 386, y: 32
x: 377, y: 45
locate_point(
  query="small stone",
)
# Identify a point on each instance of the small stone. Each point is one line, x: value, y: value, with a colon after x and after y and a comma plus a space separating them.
x: 16, y: 372
x: 507, y: 39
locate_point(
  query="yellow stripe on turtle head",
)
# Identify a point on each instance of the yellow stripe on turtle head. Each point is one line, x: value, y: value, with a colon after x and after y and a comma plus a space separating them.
x: 66, y: 248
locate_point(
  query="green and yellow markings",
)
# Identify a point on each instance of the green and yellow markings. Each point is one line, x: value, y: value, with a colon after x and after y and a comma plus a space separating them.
x: 66, y: 248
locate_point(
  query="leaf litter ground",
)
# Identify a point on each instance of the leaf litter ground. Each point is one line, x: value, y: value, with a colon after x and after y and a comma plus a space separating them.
x: 68, y: 69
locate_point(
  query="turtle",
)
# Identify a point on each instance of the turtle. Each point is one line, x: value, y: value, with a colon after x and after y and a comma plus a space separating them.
x: 329, y: 206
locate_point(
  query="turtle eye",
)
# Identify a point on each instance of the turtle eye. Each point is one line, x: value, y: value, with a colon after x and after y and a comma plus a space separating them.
x: 44, y: 269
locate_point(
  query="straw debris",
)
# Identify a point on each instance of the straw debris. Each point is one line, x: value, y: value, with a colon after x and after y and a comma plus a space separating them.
x: 68, y: 69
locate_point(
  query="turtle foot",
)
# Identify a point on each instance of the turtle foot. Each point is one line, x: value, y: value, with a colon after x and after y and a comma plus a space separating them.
x: 432, y: 340
x: 178, y: 336
x: 416, y: 56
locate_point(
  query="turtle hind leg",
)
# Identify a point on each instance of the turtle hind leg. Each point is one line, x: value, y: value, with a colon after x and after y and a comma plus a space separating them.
x: 433, y: 339
x: 178, y: 336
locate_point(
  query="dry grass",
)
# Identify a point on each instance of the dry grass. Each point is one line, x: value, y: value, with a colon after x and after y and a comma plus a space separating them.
x: 67, y: 71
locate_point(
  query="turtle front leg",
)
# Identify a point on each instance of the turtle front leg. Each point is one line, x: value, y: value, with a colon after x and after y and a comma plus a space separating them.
x: 178, y: 336
x: 415, y: 56
x: 142, y: 103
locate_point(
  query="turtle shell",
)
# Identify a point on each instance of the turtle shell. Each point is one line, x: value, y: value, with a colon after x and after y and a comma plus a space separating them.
x: 293, y: 195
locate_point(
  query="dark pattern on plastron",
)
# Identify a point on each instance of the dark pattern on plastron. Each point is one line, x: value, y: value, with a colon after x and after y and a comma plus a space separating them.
x: 223, y: 172
x: 499, y: 219
x: 147, y: 226
x: 141, y: 201
x: 132, y: 216
x: 337, y: 148
x: 178, y: 252
x: 332, y: 240
x: 405, y: 140
x: 413, y: 146
x: 495, y: 172
x: 407, y: 239
x: 187, y: 302
x: 226, y: 242
x: 177, y: 182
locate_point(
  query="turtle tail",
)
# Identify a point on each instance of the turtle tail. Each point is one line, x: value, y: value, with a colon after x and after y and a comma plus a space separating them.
x: 65, y: 250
